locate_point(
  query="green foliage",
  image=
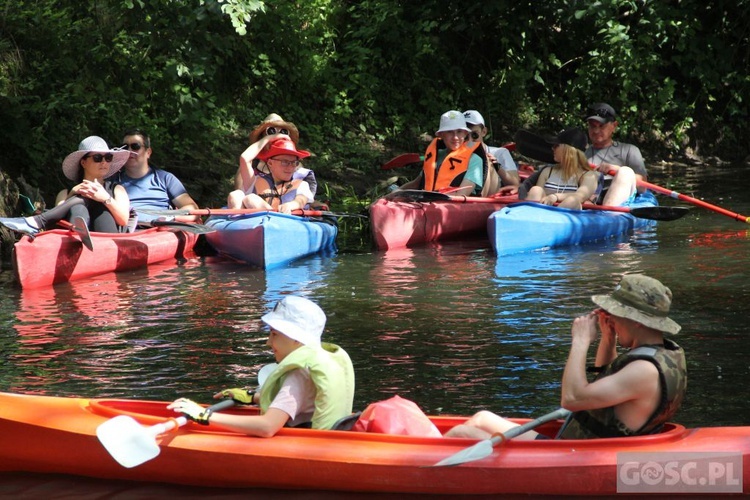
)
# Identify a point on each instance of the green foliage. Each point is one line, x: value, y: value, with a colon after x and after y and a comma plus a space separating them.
x: 363, y: 80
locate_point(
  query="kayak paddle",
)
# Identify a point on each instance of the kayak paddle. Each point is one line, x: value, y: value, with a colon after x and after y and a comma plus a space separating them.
x: 132, y: 444
x: 651, y: 213
x: 534, y: 146
x: 188, y: 227
x: 483, y: 449
x: 80, y: 227
x: 419, y: 195
x: 402, y: 161
x: 244, y: 211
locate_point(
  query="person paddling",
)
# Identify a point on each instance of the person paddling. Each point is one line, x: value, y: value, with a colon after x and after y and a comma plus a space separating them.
x: 634, y: 393
x: 313, y: 385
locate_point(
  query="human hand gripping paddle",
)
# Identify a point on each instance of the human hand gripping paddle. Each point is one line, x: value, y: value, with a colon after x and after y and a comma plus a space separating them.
x: 132, y: 444
x: 484, y: 448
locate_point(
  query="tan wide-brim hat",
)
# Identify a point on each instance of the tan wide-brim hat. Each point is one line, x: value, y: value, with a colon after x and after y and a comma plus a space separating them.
x: 274, y: 121
x: 71, y: 165
x: 642, y: 299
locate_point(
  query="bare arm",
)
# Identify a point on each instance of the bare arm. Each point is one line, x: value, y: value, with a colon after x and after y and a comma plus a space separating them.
x: 266, y: 425
x: 185, y: 202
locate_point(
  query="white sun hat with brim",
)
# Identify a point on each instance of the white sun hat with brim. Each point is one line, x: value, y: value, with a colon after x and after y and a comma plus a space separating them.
x: 642, y: 299
x: 452, y: 120
x: 298, y: 318
x: 93, y: 144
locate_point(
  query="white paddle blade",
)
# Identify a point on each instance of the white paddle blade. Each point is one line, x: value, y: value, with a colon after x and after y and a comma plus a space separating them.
x: 129, y: 443
x: 482, y: 449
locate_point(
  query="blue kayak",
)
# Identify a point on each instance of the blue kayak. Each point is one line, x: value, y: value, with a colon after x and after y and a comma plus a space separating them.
x: 528, y: 226
x: 270, y: 239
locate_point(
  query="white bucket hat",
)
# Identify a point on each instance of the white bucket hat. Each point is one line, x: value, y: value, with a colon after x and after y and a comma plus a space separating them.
x: 298, y: 318
x: 474, y: 117
x: 452, y: 120
x: 93, y: 144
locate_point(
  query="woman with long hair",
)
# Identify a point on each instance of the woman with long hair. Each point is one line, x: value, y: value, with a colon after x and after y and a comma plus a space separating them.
x: 570, y: 182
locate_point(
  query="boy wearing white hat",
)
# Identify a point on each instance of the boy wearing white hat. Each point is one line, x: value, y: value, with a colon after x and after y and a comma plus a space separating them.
x: 505, y: 167
x: 313, y: 385
x: 450, y: 163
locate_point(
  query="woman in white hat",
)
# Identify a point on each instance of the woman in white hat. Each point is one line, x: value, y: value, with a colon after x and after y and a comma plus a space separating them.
x: 103, y: 206
x: 312, y: 386
x: 449, y: 163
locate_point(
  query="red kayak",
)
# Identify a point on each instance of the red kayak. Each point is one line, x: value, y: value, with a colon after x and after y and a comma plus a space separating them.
x: 59, y: 255
x: 43, y: 434
x: 400, y: 223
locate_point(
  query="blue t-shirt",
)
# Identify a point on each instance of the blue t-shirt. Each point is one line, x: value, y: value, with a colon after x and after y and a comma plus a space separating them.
x: 154, y: 190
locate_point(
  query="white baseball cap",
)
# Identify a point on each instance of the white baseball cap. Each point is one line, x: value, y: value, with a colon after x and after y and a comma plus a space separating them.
x: 474, y: 117
x: 298, y: 318
x: 452, y: 120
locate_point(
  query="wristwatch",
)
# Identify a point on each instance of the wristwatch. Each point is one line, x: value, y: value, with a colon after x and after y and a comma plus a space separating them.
x: 109, y: 201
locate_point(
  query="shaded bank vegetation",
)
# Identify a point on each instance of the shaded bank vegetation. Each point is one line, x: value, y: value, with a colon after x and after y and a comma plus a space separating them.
x: 363, y: 80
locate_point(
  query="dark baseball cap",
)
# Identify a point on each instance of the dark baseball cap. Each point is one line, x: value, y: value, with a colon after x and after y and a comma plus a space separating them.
x: 601, y: 112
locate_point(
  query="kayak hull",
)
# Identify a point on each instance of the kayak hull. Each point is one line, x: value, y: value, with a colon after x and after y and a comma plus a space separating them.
x: 399, y: 224
x: 270, y: 239
x: 58, y: 255
x: 528, y: 226
x: 58, y: 435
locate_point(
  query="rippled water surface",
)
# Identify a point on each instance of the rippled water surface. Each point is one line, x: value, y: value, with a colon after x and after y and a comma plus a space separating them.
x: 449, y: 326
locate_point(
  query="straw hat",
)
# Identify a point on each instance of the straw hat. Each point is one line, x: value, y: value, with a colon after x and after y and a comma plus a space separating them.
x: 274, y: 121
x: 641, y: 299
x: 71, y: 165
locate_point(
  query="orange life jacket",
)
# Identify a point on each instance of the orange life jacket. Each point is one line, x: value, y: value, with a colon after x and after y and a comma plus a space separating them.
x: 451, y: 172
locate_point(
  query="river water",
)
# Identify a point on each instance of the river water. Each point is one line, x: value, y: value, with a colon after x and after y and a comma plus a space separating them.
x: 450, y: 326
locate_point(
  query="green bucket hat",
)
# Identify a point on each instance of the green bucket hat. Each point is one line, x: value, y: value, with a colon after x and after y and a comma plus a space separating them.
x: 641, y: 299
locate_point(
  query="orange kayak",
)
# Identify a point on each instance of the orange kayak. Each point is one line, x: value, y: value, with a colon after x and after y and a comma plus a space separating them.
x: 44, y: 434
x: 59, y: 255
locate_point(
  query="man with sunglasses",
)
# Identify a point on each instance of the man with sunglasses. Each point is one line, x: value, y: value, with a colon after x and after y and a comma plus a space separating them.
x: 500, y: 157
x: 624, y: 160
x: 149, y: 187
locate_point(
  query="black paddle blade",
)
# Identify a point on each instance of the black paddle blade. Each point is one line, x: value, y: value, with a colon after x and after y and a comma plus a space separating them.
x: 533, y: 146
x: 416, y: 195
x: 659, y: 213
x: 189, y: 227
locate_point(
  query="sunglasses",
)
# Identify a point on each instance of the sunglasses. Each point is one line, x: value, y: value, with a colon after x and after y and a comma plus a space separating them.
x: 286, y: 163
x: 133, y: 146
x: 475, y: 135
x: 274, y: 131
x: 98, y: 158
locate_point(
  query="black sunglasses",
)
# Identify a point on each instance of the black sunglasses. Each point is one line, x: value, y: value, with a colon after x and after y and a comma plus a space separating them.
x: 274, y: 131
x: 133, y: 146
x: 475, y: 135
x: 99, y: 157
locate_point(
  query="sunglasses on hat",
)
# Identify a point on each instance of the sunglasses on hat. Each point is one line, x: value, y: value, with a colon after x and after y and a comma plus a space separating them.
x: 274, y: 131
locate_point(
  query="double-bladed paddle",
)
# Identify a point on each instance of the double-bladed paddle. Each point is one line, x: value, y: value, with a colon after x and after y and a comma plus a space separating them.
x: 132, y: 444
x: 244, y: 211
x: 188, y: 227
x: 419, y: 195
x: 81, y: 229
x: 534, y: 146
x: 483, y: 449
